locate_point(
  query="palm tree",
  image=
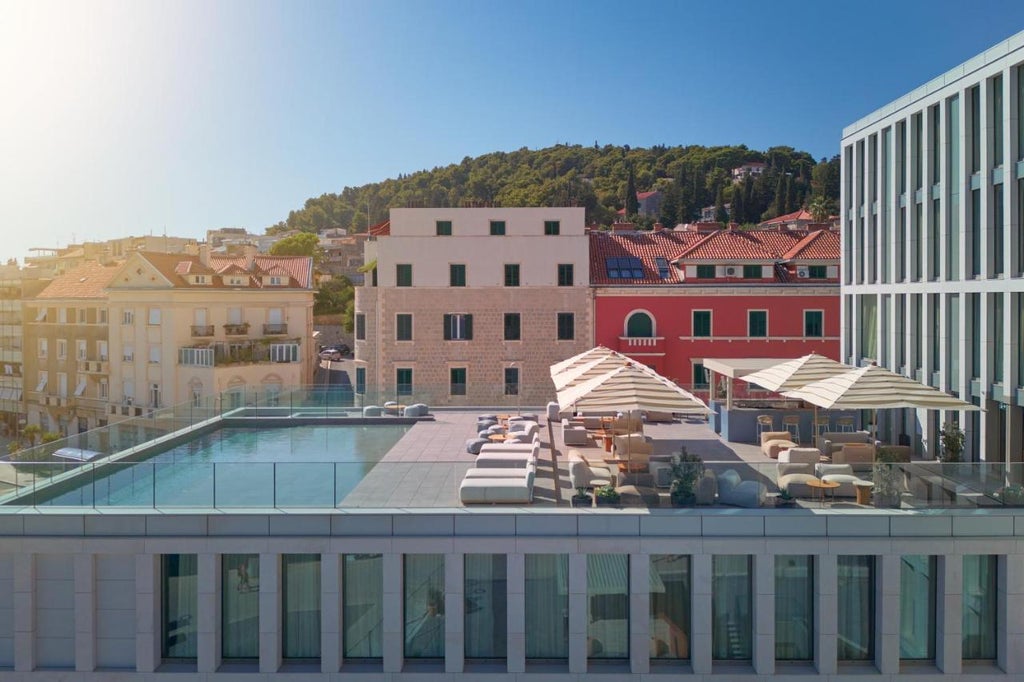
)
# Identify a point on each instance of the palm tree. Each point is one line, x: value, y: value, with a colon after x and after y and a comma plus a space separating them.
x: 820, y: 208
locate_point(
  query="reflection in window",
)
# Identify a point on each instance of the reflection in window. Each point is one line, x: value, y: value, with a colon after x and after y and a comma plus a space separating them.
x: 731, y: 608
x: 424, y: 605
x: 547, y: 606
x: 486, y: 615
x: 979, y: 609
x: 670, y: 606
x: 856, y: 590
x: 917, y: 607
x: 608, y: 605
x: 794, y: 608
x: 240, y: 605
x: 179, y: 602
x: 300, y: 584
x: 363, y: 597
x: 640, y: 325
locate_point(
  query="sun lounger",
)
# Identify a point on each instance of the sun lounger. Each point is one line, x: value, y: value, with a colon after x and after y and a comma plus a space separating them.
x: 501, y: 488
x: 505, y: 460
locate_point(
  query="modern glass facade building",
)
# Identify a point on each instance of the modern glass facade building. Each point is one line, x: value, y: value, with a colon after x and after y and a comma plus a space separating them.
x: 933, y: 253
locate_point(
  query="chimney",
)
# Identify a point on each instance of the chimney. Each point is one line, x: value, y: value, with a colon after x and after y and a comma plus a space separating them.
x: 623, y: 227
x: 658, y: 227
x: 249, y: 251
x: 204, y: 254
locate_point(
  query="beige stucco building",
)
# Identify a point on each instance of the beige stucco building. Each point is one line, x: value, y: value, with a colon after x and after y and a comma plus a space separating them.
x: 466, y: 306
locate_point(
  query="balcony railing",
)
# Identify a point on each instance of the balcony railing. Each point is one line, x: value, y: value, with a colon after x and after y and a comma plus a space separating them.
x: 242, y: 352
x: 236, y: 329
x: 93, y: 366
x: 642, y: 344
x: 202, y: 330
x: 275, y: 328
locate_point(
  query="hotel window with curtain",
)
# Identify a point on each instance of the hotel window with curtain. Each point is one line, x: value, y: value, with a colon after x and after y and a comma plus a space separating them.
x: 179, y: 606
x: 980, y: 616
x: 918, y: 580
x: 300, y: 606
x: 856, y: 608
x: 240, y: 606
x: 731, y: 608
x: 486, y: 615
x: 670, y: 606
x: 363, y: 600
x: 547, y: 606
x: 607, y: 606
x: 423, y: 605
x: 794, y: 607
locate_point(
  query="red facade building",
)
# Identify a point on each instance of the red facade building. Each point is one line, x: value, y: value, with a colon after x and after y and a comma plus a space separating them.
x: 671, y: 298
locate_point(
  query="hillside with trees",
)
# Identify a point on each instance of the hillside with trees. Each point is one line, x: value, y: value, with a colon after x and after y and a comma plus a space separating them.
x: 597, y: 178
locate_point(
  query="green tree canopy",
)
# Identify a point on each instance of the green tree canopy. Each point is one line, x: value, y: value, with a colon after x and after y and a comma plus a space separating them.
x: 302, y: 244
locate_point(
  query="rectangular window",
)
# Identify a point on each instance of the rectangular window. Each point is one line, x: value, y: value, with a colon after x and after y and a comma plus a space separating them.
x: 997, y: 121
x: 457, y: 381
x: 731, y: 608
x: 551, y: 227
x: 752, y: 272
x: 363, y: 600
x: 486, y: 617
x: 62, y: 349
x: 998, y: 227
x: 360, y: 380
x: 705, y: 272
x: 62, y: 315
x: 154, y: 355
x: 154, y: 316
x: 662, y: 264
x: 511, y: 381
x: 81, y: 349
x: 624, y: 268
x: 360, y: 327
x: 757, y: 324
x: 608, y: 606
x: 974, y: 132
x: 403, y: 380
x: 918, y: 581
x: 403, y: 327
x: 700, y: 376
x: 814, y: 324
x: 512, y: 327
x: 81, y: 315
x: 702, y: 323
x: 817, y: 271
x: 62, y: 384
x: 44, y: 377
x: 457, y: 275
x: 423, y: 605
x: 511, y: 274
x: 458, y: 327
x: 300, y: 606
x: 565, y: 275
x: 547, y: 606
x: 102, y: 312
x: 403, y: 275
x: 179, y: 606
x: 794, y: 607
x: 443, y: 228
x: 497, y: 228
x: 856, y: 613
x: 128, y: 353
x: 43, y: 349
x: 239, y: 606
x: 980, y: 610
x: 566, y: 326
x: 670, y: 606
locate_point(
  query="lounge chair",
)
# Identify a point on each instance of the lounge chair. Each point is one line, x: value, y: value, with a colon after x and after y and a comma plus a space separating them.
x: 796, y: 469
x: 574, y: 434
x: 773, y: 442
x: 583, y: 475
x: 734, y: 491
x: 502, y: 486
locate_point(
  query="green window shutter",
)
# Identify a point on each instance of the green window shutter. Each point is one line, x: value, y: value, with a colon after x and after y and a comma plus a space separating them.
x: 469, y: 327
x: 447, y: 327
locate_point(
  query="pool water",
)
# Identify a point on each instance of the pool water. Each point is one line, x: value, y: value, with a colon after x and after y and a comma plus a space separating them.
x: 296, y: 466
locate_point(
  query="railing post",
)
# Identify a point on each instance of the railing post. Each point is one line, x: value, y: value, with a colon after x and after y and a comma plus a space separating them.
x: 214, y: 485
x: 274, y: 484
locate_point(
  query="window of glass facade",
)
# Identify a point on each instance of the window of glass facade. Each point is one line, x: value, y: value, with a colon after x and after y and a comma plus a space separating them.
x: 363, y: 595
x: 512, y: 327
x: 1020, y: 336
x: 901, y: 246
x: 996, y: 306
x: 547, y: 606
x: 934, y: 260
x: 403, y: 327
x: 731, y: 608
x: 757, y: 323
x: 814, y: 323
x: 998, y: 229
x: 974, y: 334
x: 934, y: 335
x: 700, y: 375
x: 936, y: 143
x: 608, y: 606
x: 240, y: 606
x: 300, y: 606
x: 953, y: 168
x: 486, y: 617
x: 953, y: 340
x: 918, y: 581
x: 511, y: 274
x: 794, y: 607
x: 566, y: 326
x: 360, y: 380
x: 980, y: 614
x: 974, y: 132
x: 885, y: 210
x: 423, y: 605
x: 702, y: 323
x: 457, y: 381
x: 565, y: 274
x: 868, y: 326
x: 917, y: 243
x: 179, y: 606
x: 457, y: 274
x: 856, y: 608
x: 670, y: 606
x: 997, y: 121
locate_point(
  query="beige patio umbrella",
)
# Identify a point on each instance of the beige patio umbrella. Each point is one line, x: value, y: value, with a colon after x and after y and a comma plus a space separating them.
x: 793, y: 374
x: 580, y: 373
x: 583, y: 358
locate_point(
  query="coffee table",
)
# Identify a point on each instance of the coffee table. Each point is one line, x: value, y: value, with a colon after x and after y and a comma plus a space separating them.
x: 822, y: 486
x: 863, y: 490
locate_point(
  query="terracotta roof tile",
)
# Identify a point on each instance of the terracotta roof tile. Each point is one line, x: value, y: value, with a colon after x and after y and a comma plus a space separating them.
x: 788, y: 218
x: 86, y: 281
x: 818, y: 245
x: 647, y: 246
x: 739, y: 245
x: 380, y: 229
x: 175, y: 267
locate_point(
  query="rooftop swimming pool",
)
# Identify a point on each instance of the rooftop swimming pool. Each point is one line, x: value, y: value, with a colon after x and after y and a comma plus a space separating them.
x: 294, y: 466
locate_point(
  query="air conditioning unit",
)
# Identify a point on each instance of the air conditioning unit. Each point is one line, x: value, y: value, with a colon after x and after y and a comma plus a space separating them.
x: 730, y: 272
x: 803, y: 272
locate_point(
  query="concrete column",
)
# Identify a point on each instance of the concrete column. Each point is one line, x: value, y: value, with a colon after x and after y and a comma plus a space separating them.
x: 24, y: 612
x: 208, y: 613
x: 515, y: 581
x: 147, y: 612
x: 639, y: 613
x: 826, y: 627
x: 949, y: 614
x: 887, y: 614
x: 764, y: 614
x: 270, y: 613
x: 393, y: 643
x: 1011, y: 635
x: 700, y: 635
x: 85, y: 612
x: 454, y: 613
x: 577, y: 613
x: 331, y: 625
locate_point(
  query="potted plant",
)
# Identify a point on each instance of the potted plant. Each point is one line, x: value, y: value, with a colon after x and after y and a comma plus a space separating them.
x: 887, y: 476
x: 785, y: 499
x: 686, y: 470
x: 581, y: 498
x: 1011, y: 495
x: 952, y: 439
x: 606, y: 496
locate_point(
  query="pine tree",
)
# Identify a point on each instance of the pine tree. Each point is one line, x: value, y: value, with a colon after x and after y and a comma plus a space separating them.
x: 632, y: 203
x: 737, y: 210
x: 721, y: 215
x: 792, y: 203
x: 670, y: 206
x: 749, y: 205
x: 780, y: 195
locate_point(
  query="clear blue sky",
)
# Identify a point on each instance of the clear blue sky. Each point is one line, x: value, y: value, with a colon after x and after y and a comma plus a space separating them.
x: 128, y: 118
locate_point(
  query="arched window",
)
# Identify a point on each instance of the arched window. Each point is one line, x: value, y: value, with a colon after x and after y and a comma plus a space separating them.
x: 640, y: 325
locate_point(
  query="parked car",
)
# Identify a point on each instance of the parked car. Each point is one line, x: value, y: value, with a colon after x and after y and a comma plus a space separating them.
x: 331, y: 354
